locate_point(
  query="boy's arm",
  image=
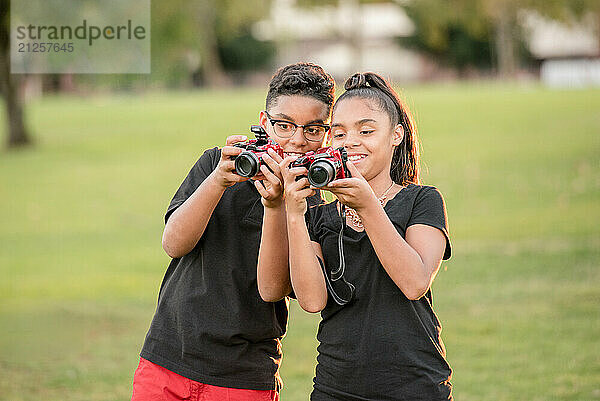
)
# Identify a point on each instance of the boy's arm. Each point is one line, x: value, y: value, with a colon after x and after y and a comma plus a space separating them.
x: 273, y: 274
x: 186, y: 225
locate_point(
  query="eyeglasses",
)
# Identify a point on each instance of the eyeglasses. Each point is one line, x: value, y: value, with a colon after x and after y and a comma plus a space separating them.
x: 287, y: 129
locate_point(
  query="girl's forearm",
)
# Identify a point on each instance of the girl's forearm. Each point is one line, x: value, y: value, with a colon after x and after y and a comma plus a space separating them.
x: 272, y: 271
x: 305, y: 271
x: 402, y: 262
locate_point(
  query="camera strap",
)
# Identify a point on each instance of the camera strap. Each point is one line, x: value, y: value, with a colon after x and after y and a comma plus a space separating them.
x: 340, y: 299
x: 338, y: 274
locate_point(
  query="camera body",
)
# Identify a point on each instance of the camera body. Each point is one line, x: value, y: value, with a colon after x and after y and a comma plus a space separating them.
x: 247, y: 163
x: 324, y: 165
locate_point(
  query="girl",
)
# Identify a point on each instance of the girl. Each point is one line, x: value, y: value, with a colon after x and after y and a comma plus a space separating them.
x: 370, y: 272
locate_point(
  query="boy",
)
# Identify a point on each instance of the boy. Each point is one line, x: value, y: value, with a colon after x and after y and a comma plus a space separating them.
x: 212, y: 335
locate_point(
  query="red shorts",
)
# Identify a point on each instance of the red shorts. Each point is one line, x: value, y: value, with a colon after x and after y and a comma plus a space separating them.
x: 152, y: 382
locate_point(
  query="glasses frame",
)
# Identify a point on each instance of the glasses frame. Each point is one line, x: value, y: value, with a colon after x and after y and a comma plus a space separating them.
x: 274, y: 121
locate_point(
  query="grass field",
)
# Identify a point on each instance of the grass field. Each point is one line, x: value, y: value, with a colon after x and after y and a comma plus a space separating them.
x: 81, y: 220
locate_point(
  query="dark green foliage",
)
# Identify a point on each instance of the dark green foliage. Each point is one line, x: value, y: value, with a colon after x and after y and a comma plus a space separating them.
x: 461, y: 49
x: 245, y: 53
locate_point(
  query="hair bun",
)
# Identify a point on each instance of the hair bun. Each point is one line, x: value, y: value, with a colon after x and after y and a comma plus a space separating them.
x: 358, y: 80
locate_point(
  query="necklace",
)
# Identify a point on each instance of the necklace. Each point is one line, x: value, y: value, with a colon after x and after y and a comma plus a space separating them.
x: 355, y: 218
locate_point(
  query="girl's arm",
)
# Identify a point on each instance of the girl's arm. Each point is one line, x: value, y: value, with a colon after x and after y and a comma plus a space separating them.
x: 272, y: 272
x: 186, y: 225
x: 306, y: 275
x: 305, y: 271
x: 412, y: 263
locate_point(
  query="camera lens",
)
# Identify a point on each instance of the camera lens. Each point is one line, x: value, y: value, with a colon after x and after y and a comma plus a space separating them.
x: 247, y: 164
x: 321, y: 173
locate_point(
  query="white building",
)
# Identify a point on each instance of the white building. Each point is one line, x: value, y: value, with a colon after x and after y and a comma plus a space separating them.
x: 569, y: 53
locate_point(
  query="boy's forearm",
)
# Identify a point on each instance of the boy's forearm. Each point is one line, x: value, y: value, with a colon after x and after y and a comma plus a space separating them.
x: 272, y: 271
x: 187, y: 224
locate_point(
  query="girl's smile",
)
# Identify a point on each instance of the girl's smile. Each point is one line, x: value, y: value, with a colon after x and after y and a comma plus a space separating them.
x: 356, y: 157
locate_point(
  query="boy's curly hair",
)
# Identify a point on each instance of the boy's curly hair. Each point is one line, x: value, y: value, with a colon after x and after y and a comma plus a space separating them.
x: 305, y: 79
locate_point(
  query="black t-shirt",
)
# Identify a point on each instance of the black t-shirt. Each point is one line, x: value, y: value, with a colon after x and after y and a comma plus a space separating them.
x: 211, y: 324
x: 381, y: 345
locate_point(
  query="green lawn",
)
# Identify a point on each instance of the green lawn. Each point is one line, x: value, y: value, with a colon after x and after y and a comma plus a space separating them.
x: 81, y: 220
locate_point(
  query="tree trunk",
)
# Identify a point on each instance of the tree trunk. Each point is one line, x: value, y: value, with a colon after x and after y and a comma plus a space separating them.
x: 11, y: 86
x: 212, y: 69
x: 504, y: 38
x: 598, y: 29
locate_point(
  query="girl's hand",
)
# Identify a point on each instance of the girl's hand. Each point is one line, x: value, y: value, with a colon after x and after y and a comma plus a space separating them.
x: 225, y: 174
x: 296, y: 192
x: 270, y: 185
x: 354, y: 192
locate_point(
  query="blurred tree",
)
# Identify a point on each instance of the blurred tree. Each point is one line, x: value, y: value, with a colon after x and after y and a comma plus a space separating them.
x: 192, y: 37
x: 237, y: 48
x: 174, y: 45
x: 205, y: 13
x: 468, y: 32
x: 219, y: 22
x: 458, y: 30
x: 191, y: 44
x: 461, y: 38
x: 503, y: 16
x: 11, y: 85
x: 245, y: 53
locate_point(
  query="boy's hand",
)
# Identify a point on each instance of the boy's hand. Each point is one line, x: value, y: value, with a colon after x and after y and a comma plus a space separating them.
x: 296, y: 192
x: 225, y: 174
x: 354, y: 192
x: 270, y: 183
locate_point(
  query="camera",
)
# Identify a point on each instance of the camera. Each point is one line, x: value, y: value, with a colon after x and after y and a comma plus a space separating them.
x: 324, y: 165
x: 247, y: 163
